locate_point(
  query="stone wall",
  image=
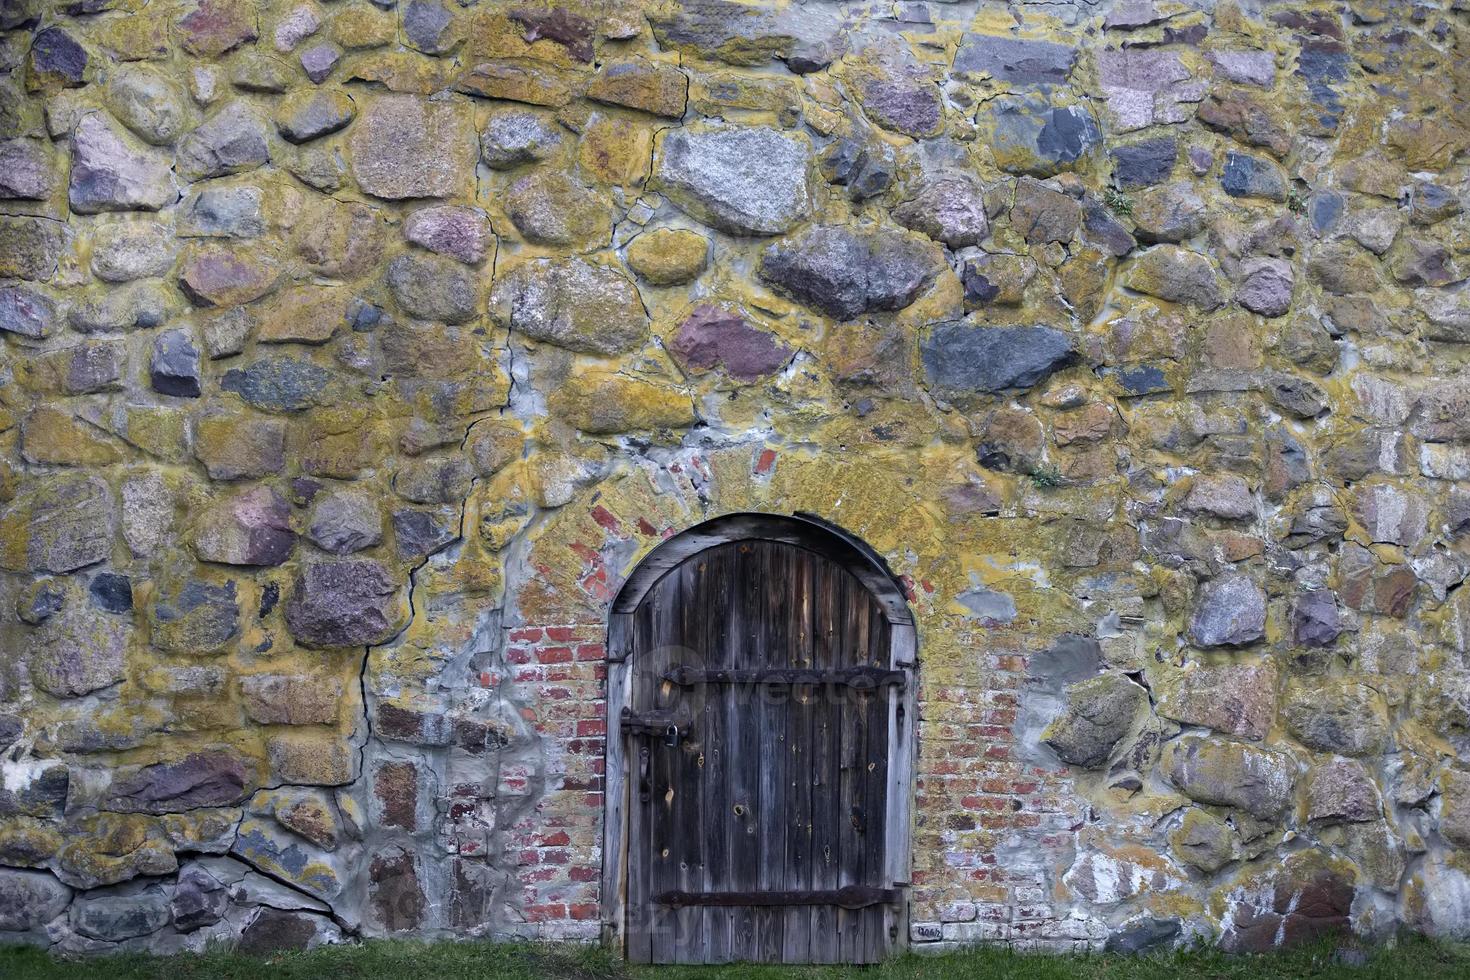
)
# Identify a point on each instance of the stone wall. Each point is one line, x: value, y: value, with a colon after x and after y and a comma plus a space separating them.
x: 354, y: 352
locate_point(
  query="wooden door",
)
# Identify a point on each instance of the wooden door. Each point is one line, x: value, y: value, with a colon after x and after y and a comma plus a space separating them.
x: 761, y: 700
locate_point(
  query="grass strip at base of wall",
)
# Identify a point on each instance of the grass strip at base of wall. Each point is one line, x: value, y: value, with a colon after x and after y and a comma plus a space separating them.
x: 1412, y: 959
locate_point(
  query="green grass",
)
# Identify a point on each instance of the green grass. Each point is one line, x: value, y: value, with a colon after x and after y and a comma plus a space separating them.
x: 1413, y: 959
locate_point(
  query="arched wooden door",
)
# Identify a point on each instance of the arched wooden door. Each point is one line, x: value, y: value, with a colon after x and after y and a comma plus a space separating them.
x: 762, y: 669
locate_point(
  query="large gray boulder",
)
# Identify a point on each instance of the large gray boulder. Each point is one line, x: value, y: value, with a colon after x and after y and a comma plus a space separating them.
x: 959, y: 357
x: 844, y: 272
x: 744, y: 180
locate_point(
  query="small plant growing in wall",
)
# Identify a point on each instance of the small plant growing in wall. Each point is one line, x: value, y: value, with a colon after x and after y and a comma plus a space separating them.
x: 1118, y: 202
x: 1046, y: 476
x: 1296, y: 203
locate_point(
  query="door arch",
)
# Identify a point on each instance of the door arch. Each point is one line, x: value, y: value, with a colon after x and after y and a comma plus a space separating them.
x: 760, y: 748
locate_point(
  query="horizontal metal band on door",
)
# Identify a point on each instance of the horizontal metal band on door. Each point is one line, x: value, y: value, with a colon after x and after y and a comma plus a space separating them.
x: 863, y: 678
x: 847, y: 897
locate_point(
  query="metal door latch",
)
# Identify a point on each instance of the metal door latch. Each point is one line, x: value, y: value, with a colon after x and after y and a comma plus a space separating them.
x: 659, y: 725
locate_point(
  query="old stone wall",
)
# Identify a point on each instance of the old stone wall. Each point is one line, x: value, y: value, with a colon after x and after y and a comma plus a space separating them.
x: 352, y: 353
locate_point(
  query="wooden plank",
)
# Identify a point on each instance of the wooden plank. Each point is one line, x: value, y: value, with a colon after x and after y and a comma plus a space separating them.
x: 671, y: 836
x: 773, y: 598
x: 615, y: 806
x: 875, y: 790
x: 713, y: 598
x: 826, y: 766
x: 742, y: 819
x: 796, y: 924
x: 851, y: 754
x: 684, y: 618
x: 640, y: 831
x: 898, y: 804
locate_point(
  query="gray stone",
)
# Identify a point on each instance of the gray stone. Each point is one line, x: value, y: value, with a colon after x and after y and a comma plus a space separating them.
x: 1178, y: 275
x: 434, y: 288
x: 113, y: 918
x: 174, y: 366
x: 1341, y: 790
x: 222, y: 212
x: 420, y: 533
x: 138, y: 305
x: 110, y: 171
x: 341, y: 604
x: 1099, y: 713
x: 405, y: 147
x: 550, y: 208
x: 278, y: 384
x: 1229, y: 611
x: 744, y: 180
x: 31, y: 248
x: 212, y: 778
x: 319, y: 60
x: 57, y: 524
x: 26, y: 170
x: 1104, y: 230
x: 1043, y: 214
x: 844, y: 272
x: 949, y: 207
x: 866, y: 168
x: 1029, y: 135
x: 572, y: 303
x: 1226, y: 496
x: 1248, y: 67
x: 1340, y: 716
x: 94, y: 368
x: 1266, y: 286
x: 1143, y: 935
x: 124, y: 251
x: 964, y: 358
x: 253, y: 528
x: 1017, y: 61
x: 1223, y: 773
x: 1315, y: 621
x: 199, y: 900
x: 308, y: 115
x: 345, y: 521
x: 78, y: 649
x: 516, y: 136
x: 458, y: 232
x: 148, y: 103
x: 1238, y: 700
x: 1169, y: 213
x: 26, y: 312
x: 195, y: 617
x: 1248, y: 176
x: 231, y: 141
x: 1144, y: 163
x: 30, y: 899
x: 430, y: 27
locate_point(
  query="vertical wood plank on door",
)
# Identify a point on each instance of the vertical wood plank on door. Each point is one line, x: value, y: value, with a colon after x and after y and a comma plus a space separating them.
x: 640, y: 829
x: 796, y: 927
x: 683, y: 618
x: 742, y: 819
x: 826, y: 767
x: 772, y: 596
x: 714, y: 601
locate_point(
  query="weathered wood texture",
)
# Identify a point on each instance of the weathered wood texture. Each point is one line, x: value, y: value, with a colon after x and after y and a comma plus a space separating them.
x: 772, y: 787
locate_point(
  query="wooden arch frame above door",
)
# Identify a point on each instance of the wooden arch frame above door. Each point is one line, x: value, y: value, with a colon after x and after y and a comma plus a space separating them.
x: 831, y: 542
